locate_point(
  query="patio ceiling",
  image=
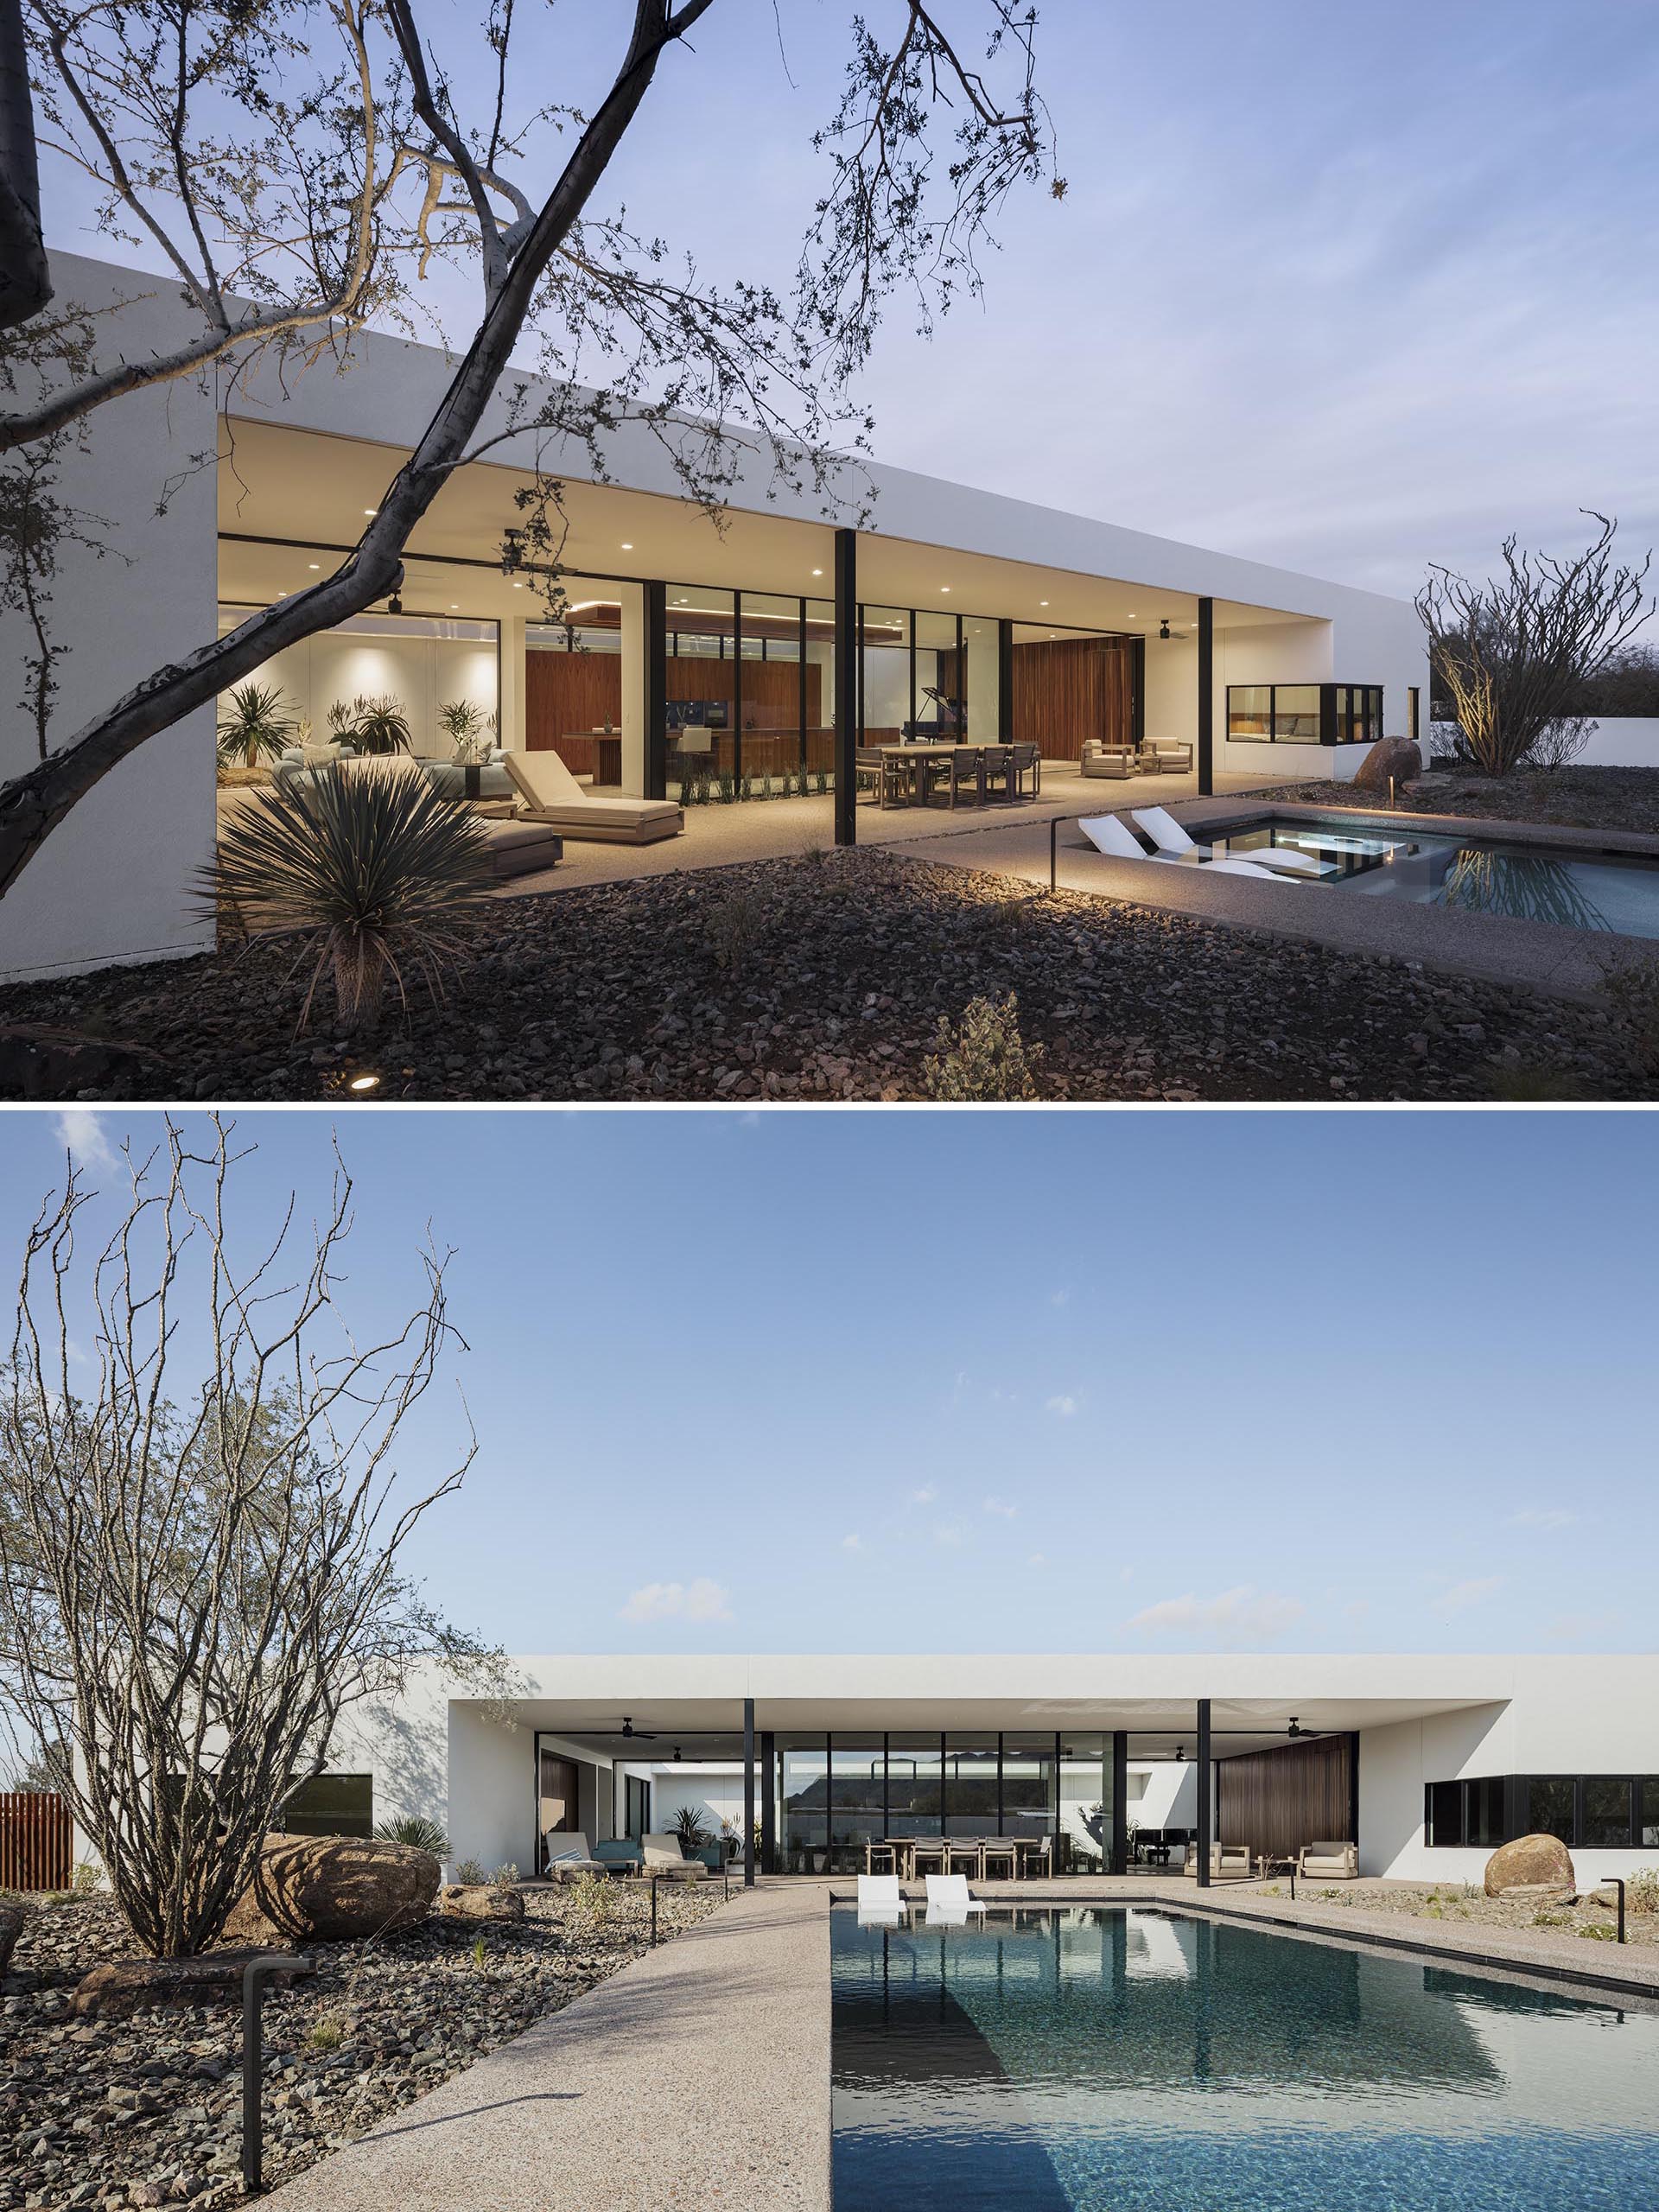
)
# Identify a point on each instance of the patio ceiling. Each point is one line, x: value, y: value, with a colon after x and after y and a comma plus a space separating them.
x: 311, y: 492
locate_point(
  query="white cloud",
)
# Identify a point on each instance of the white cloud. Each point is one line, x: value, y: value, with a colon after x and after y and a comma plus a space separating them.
x: 852, y: 1543
x: 700, y: 1600
x: 950, y: 1534
x: 1065, y: 1405
x: 1037, y: 1559
x: 1458, y: 1595
x: 1579, y: 1628
x: 1541, y: 1517
x: 1000, y: 1507
x: 1243, y: 1615
x: 80, y: 1132
x: 1058, y: 1297
x: 926, y: 1496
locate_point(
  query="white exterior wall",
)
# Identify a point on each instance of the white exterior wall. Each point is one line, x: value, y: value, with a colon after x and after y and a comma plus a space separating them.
x: 113, y: 882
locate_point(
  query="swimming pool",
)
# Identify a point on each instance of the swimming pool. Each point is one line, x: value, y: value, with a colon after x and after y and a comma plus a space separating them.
x: 1126, y: 2060
x: 1528, y: 883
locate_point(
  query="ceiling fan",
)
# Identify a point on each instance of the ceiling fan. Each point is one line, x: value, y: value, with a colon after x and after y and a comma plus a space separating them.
x: 1167, y: 634
x: 642, y: 1735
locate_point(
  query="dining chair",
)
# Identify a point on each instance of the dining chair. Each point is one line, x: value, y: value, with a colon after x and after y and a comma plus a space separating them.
x: 968, y: 773
x: 928, y: 1856
x: 881, y: 1857
x: 997, y: 760
x: 999, y: 1853
x: 961, y: 1856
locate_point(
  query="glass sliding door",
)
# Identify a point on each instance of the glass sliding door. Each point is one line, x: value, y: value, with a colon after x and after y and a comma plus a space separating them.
x: 939, y: 686
x: 982, y: 663
x: 914, y: 1780
x: 1028, y: 1785
x: 884, y: 671
x: 857, y: 1790
x: 821, y: 692
x: 802, y: 1804
x: 1085, y: 1815
x: 780, y: 691
x: 704, y: 688
x: 970, y: 1785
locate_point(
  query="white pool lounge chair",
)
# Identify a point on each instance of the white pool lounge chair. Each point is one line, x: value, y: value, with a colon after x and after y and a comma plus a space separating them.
x: 881, y: 1901
x: 552, y: 794
x: 949, y: 1903
x: 1119, y: 843
x: 1172, y: 839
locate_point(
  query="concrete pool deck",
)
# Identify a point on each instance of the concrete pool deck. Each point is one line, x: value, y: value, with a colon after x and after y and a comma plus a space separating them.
x: 1536, y: 955
x: 700, y: 2075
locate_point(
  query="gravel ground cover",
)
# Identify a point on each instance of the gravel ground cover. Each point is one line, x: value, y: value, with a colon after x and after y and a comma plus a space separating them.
x: 825, y: 976
x: 1578, y: 799
x: 147, y: 2111
x: 1449, y: 1902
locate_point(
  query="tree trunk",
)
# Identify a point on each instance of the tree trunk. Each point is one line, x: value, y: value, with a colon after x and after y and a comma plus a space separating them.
x: 25, y: 279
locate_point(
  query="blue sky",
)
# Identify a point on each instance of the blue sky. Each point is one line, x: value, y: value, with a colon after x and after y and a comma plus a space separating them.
x: 921, y: 1382
x: 1345, y: 288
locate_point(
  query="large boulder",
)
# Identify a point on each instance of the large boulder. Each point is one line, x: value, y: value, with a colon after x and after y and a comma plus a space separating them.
x: 481, y: 1900
x: 123, y: 1987
x: 1395, y: 757
x: 333, y: 1888
x: 11, y: 1927
x: 1533, y: 1865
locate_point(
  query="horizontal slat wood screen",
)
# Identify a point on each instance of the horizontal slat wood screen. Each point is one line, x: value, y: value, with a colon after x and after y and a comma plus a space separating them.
x: 37, y: 1840
x: 1277, y: 1801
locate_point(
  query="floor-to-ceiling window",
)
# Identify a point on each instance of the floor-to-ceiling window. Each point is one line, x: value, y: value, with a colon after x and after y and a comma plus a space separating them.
x: 802, y: 1804
x: 884, y: 674
x: 913, y: 1805
x: 970, y: 1785
x: 940, y: 689
x: 1086, y: 1807
x: 1028, y: 1785
x: 857, y: 1793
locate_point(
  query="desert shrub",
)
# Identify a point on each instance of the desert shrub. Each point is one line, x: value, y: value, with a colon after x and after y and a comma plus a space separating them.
x: 326, y: 2032
x: 691, y: 1825
x: 505, y: 1875
x: 1641, y: 1890
x: 471, y: 1871
x: 1558, y: 745
x: 254, y: 726
x: 733, y: 924
x: 373, y: 874
x: 87, y: 1879
x: 480, y: 1952
x: 984, y: 1058
x: 415, y: 1828
x: 593, y: 1897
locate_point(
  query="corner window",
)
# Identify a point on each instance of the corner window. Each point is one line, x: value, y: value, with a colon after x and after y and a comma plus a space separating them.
x: 1647, y: 1812
x: 1304, y: 714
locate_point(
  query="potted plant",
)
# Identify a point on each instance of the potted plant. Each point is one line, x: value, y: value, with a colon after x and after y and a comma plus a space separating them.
x: 378, y: 725
x: 254, y: 726
x: 462, y: 723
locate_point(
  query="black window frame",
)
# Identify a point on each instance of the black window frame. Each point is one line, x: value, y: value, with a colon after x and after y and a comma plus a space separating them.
x: 1336, y: 716
x: 1442, y: 1815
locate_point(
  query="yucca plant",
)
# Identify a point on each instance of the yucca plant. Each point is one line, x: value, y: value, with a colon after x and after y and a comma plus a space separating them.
x: 254, y: 726
x: 415, y: 1828
x: 379, y: 725
x: 461, y: 722
x: 373, y: 873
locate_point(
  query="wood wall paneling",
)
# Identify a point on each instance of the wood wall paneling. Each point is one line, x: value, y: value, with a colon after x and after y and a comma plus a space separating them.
x: 36, y: 1840
x: 1070, y: 688
x: 1275, y: 1801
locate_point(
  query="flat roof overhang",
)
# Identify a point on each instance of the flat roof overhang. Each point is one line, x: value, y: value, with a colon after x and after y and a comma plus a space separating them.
x: 288, y: 496
x: 1250, y: 1693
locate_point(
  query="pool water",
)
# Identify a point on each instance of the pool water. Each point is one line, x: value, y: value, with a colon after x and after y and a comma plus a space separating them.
x: 1124, y: 2060
x: 1528, y: 883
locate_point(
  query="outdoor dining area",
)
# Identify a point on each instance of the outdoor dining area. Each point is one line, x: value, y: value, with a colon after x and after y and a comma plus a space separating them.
x: 934, y: 773
x: 984, y: 1859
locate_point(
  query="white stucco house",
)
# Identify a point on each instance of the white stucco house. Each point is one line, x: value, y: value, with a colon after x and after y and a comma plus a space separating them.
x: 952, y: 609
x: 1426, y: 1764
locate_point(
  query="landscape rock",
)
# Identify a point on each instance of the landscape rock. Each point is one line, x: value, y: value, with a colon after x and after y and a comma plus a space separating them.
x: 1395, y: 757
x: 122, y: 1986
x: 481, y: 1900
x: 334, y: 1887
x: 1533, y: 1865
x: 11, y: 1927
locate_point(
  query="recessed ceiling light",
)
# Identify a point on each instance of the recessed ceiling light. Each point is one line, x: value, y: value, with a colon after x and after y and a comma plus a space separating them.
x: 628, y: 545
x: 314, y: 564
x: 944, y: 587
x: 371, y: 511
x: 1042, y: 602
x: 517, y: 587
x: 453, y: 604
x: 817, y: 572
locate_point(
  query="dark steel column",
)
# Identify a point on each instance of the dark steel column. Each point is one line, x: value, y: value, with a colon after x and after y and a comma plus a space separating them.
x: 1353, y: 1789
x: 737, y: 688
x: 748, y: 1793
x: 1119, y: 1861
x: 1206, y: 705
x: 1005, y: 682
x: 1203, y: 1763
x: 846, y: 668
x: 1138, y: 691
x: 656, y: 691
x: 768, y: 1803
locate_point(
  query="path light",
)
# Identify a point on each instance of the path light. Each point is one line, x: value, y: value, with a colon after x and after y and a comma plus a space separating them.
x: 364, y: 1083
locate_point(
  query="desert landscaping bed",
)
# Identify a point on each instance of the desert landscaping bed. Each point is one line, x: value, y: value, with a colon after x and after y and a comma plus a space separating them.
x: 147, y: 2110
x: 1576, y: 799
x: 1449, y: 1902
x: 819, y: 977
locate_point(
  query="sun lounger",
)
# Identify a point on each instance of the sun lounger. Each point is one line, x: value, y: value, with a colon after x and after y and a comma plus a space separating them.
x: 881, y: 1901
x: 1119, y: 843
x: 552, y: 795
x: 948, y: 1900
x: 665, y: 1855
x: 1173, y: 841
x: 566, y: 1855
